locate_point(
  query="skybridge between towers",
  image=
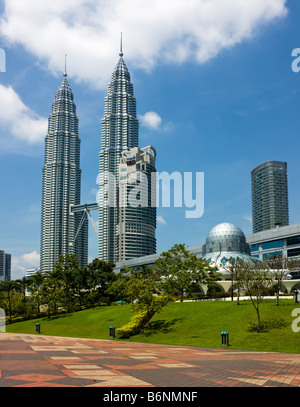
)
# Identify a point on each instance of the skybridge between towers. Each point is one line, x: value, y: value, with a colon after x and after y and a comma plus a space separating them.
x: 85, y: 209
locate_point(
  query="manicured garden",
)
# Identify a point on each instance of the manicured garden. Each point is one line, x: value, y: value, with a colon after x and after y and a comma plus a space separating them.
x: 197, y: 323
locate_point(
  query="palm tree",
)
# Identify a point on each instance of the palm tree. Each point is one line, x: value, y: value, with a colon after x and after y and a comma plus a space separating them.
x: 8, y: 287
x: 36, y: 285
x: 52, y: 290
x: 22, y: 285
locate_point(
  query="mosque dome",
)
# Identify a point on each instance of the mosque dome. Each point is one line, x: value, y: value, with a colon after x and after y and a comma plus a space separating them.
x: 226, y: 237
x: 226, y: 241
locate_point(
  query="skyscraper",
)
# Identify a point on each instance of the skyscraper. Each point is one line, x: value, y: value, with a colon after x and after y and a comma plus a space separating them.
x: 5, y: 266
x: 269, y: 188
x: 119, y: 133
x: 62, y: 184
x: 137, y: 210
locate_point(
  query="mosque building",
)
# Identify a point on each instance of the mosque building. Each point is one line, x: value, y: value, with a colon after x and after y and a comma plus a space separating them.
x: 224, y: 242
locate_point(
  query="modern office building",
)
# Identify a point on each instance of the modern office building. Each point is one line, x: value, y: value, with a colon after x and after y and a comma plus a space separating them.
x: 283, y: 240
x: 119, y: 134
x: 62, y: 184
x: 280, y: 240
x: 136, y: 210
x: 269, y: 187
x: 31, y: 272
x: 5, y: 266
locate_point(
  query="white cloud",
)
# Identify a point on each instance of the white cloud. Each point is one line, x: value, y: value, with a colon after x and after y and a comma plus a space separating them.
x: 151, y: 120
x: 94, y: 191
x: 17, y: 120
x: 17, y: 269
x: 19, y: 265
x: 248, y: 218
x: 156, y: 31
x: 161, y: 220
x: 31, y: 259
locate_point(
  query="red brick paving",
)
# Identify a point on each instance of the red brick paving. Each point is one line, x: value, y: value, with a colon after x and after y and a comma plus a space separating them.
x: 47, y: 361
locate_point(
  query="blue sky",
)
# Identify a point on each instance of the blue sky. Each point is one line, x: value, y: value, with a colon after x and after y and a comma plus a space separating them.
x: 218, y: 79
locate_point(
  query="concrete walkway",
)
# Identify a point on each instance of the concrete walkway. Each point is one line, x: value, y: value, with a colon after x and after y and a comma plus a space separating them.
x: 48, y: 361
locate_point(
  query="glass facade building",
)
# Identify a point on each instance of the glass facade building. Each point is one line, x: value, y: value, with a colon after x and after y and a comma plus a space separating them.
x: 5, y: 266
x: 283, y: 240
x: 61, y: 185
x: 269, y: 188
x: 137, y: 211
x: 119, y: 134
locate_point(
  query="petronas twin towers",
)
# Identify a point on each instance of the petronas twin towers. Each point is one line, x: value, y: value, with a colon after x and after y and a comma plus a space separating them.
x: 61, y: 183
x: 124, y: 233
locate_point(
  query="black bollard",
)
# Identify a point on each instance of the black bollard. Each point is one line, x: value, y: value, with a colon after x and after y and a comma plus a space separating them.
x: 111, y: 331
x: 224, y: 338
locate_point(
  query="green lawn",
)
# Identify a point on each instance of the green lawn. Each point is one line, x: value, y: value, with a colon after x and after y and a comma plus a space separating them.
x: 197, y: 323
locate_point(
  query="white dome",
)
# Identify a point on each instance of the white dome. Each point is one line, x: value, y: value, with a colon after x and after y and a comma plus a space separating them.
x: 225, y: 229
x: 226, y: 237
x: 224, y: 242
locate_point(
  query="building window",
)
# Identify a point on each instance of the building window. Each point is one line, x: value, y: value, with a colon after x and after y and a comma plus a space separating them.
x: 270, y: 255
x: 293, y: 240
x: 272, y: 245
x: 293, y: 252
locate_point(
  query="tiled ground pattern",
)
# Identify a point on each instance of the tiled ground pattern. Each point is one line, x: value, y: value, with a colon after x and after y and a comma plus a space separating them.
x: 46, y: 361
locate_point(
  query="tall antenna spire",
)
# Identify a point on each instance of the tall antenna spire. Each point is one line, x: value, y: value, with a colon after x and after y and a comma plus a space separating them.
x: 121, y: 45
x: 65, y: 73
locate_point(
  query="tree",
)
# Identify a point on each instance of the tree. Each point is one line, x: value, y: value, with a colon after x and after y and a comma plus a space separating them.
x: 22, y: 285
x: 36, y: 287
x: 179, y: 269
x: 279, y: 266
x: 256, y: 281
x: 125, y: 287
x: 82, y: 285
x: 100, y: 274
x: 68, y: 268
x: 8, y: 288
x: 140, y: 288
x: 52, y: 290
x: 144, y: 285
x: 234, y: 265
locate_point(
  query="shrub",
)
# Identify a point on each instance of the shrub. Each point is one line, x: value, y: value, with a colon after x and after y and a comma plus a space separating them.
x: 266, y: 326
x: 136, y: 324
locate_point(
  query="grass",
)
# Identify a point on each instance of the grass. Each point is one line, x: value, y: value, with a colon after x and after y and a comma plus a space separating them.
x: 197, y: 323
x: 90, y: 323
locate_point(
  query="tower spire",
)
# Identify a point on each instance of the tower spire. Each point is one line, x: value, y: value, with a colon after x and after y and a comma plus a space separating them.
x: 121, y: 45
x: 61, y: 184
x: 65, y: 73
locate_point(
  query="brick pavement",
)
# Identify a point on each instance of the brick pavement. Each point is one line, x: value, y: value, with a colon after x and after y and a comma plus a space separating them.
x: 48, y: 361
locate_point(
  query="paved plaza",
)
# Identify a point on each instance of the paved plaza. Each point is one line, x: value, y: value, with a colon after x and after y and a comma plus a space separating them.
x: 48, y: 361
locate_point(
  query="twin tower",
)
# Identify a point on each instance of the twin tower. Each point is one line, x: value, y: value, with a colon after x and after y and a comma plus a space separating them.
x: 125, y: 231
